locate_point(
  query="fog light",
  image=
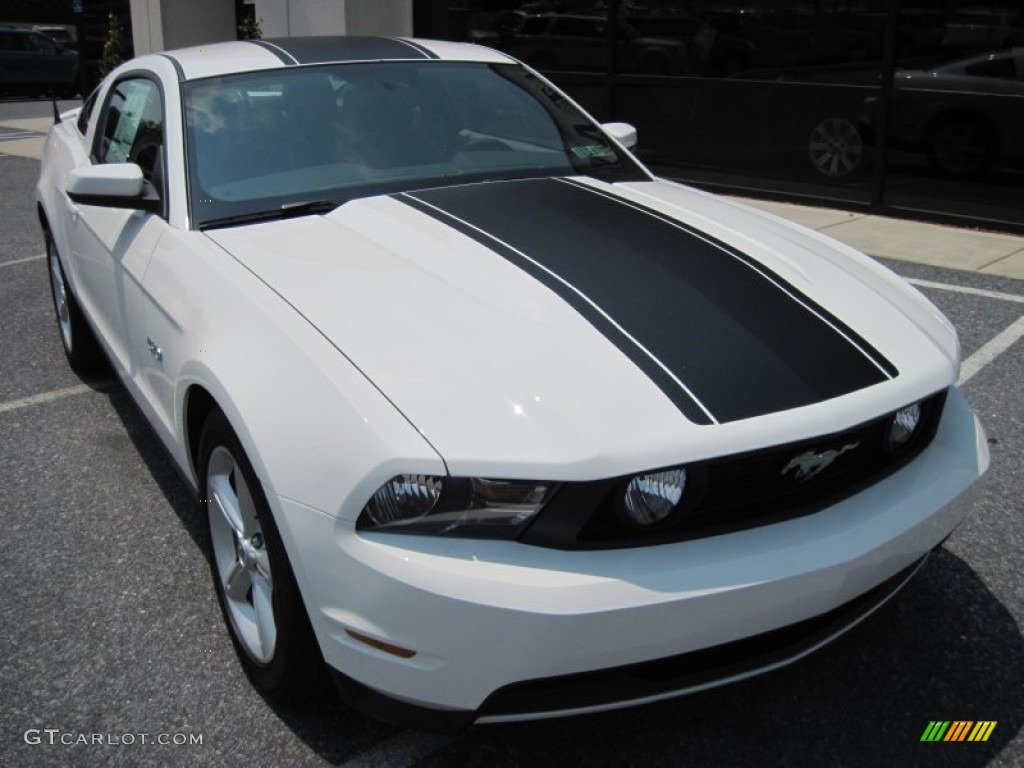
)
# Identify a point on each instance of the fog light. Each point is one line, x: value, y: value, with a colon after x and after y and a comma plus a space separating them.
x: 651, y: 498
x: 904, y: 426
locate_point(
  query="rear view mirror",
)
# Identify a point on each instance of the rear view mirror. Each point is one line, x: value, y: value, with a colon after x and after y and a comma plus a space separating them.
x: 114, y: 185
x: 624, y: 133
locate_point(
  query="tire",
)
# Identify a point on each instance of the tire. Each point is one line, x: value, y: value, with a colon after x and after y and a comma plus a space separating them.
x: 653, y: 65
x: 80, y: 345
x: 960, y: 147
x: 255, y: 585
x: 835, y: 147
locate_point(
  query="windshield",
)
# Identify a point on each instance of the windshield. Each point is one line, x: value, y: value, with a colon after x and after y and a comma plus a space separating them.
x: 260, y: 141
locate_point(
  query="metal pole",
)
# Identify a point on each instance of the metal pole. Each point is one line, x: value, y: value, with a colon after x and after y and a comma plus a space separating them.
x: 885, y: 107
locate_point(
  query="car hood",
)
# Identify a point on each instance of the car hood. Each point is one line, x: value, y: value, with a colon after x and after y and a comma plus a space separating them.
x: 571, y: 329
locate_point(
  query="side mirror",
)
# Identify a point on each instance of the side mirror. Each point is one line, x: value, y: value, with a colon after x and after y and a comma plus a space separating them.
x: 113, y: 185
x: 624, y: 133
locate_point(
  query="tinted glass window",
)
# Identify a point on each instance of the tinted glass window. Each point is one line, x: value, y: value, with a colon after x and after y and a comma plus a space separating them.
x: 133, y: 126
x: 85, y: 116
x: 1002, y: 67
x: 41, y: 44
x: 785, y: 96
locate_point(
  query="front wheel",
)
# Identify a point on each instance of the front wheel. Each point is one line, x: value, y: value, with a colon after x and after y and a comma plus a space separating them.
x: 255, y: 584
x: 80, y: 346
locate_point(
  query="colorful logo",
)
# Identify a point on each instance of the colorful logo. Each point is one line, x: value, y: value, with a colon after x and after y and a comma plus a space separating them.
x: 958, y: 730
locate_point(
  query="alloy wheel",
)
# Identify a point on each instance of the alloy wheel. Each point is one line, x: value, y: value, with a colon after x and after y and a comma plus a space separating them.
x: 60, y: 296
x: 240, y: 554
x: 835, y: 147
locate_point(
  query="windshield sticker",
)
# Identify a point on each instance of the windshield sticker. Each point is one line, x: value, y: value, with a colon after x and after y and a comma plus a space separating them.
x: 593, y: 152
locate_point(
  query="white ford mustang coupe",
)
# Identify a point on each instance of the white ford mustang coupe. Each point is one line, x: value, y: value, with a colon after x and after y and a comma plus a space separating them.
x: 488, y: 422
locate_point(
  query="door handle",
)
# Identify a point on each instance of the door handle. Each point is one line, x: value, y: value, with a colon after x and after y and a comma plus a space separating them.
x: 154, y: 350
x: 73, y: 210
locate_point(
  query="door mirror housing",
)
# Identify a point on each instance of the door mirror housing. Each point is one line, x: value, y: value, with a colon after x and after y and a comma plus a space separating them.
x: 113, y: 185
x: 624, y: 133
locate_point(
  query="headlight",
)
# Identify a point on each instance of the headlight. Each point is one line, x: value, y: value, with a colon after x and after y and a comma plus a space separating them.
x: 403, y: 499
x: 903, y: 427
x: 456, y: 506
x: 651, y: 498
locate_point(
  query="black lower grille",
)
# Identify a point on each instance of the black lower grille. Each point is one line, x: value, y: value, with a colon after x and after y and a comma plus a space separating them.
x: 739, y: 491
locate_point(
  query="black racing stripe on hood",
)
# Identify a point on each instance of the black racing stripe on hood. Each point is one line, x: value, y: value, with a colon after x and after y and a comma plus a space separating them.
x: 851, y: 335
x: 730, y: 339
x: 323, y: 50
x: 677, y: 392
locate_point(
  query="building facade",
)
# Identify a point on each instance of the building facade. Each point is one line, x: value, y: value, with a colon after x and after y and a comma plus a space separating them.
x: 912, y: 107
x: 905, y: 107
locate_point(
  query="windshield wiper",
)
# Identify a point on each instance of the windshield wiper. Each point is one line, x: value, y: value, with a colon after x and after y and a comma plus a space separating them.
x: 286, y: 211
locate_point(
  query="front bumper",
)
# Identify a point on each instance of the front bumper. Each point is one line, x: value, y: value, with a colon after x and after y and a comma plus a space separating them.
x: 505, y: 631
x: 633, y: 684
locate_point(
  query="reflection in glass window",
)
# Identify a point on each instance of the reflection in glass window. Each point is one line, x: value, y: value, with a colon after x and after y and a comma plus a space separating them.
x: 257, y: 141
x: 133, y: 126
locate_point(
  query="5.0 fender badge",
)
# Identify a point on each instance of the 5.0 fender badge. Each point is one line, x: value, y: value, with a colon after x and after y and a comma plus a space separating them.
x: 810, y: 463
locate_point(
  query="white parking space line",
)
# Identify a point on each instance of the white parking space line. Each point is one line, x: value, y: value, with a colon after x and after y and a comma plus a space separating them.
x: 22, y: 261
x: 45, y: 397
x: 991, y: 350
x: 967, y: 289
x: 399, y: 751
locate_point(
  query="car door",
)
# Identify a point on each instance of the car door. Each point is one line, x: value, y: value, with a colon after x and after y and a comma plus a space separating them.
x: 112, y: 247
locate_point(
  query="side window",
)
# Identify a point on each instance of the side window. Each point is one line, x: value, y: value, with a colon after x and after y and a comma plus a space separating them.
x: 85, y: 116
x: 42, y: 45
x: 1001, y: 67
x: 133, y: 128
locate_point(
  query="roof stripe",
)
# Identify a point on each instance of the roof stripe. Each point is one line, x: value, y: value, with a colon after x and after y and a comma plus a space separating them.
x: 325, y: 50
x: 277, y: 50
x: 421, y: 48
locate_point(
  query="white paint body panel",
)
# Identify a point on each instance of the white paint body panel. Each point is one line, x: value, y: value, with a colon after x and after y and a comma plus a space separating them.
x: 505, y: 379
x: 349, y: 348
x: 544, y: 613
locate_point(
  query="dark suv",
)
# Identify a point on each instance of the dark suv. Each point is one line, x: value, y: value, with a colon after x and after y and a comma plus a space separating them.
x: 31, y: 63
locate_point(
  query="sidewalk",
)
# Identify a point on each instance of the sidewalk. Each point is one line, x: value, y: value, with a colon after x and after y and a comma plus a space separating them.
x: 933, y: 244
x: 24, y: 136
x: 937, y: 245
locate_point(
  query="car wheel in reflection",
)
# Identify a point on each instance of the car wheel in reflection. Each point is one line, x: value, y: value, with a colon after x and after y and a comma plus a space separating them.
x: 960, y: 146
x: 254, y: 581
x: 80, y: 346
x: 835, y: 147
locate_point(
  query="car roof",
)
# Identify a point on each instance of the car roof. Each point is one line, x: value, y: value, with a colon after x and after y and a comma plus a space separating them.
x: 255, y: 55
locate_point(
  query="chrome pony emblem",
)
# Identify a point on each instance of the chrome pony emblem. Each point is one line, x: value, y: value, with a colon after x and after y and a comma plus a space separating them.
x: 810, y: 463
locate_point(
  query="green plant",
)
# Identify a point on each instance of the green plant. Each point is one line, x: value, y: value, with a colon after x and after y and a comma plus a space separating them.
x: 250, y: 28
x: 113, y: 46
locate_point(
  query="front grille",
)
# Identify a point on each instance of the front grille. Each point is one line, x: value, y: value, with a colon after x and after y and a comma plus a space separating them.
x: 740, y: 491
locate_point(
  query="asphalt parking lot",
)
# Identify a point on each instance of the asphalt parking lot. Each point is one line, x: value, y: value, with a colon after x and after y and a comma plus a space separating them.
x: 111, y: 627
